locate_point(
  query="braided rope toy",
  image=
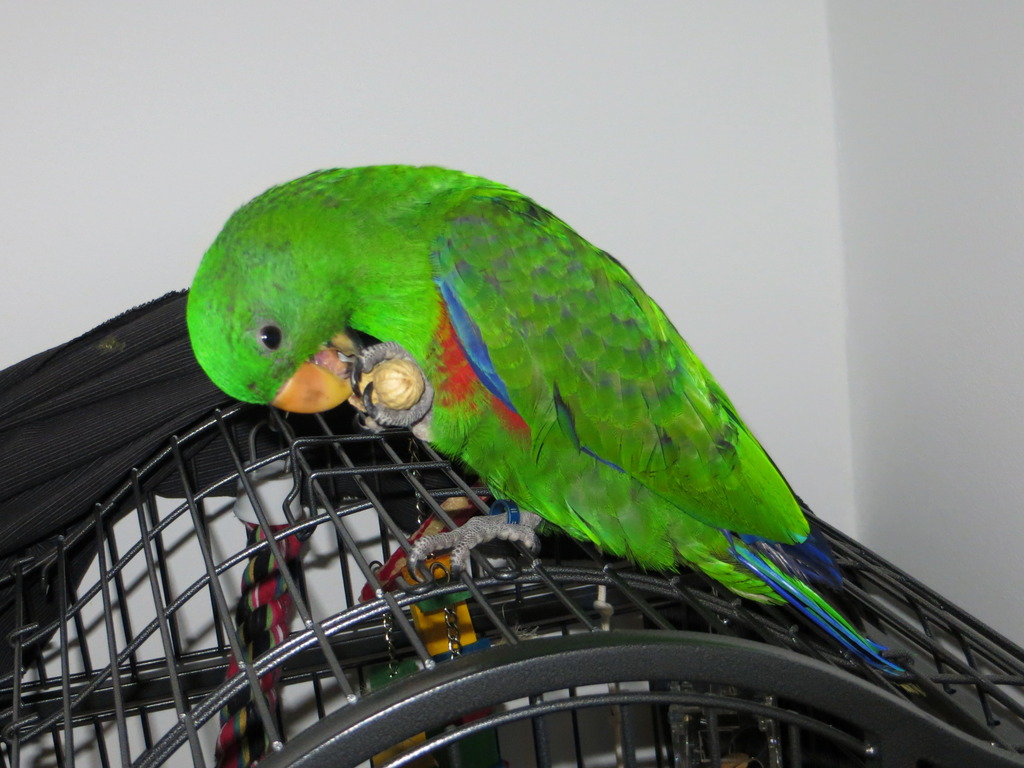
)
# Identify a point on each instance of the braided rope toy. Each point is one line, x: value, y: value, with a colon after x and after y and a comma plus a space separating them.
x: 261, y: 617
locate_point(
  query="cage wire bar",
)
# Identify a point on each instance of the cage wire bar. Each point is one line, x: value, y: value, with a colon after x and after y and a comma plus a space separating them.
x: 566, y: 659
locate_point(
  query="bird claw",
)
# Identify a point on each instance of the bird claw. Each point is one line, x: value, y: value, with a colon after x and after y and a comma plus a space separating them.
x: 505, y: 523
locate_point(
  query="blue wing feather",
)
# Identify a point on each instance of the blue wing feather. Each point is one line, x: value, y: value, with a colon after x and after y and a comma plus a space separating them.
x: 473, y: 346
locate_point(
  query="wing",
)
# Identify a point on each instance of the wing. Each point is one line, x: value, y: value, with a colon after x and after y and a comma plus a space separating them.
x: 561, y: 333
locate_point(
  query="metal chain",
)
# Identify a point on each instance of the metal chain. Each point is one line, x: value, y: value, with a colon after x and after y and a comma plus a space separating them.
x: 422, y: 512
x: 389, y: 632
x: 451, y: 618
x: 389, y: 641
x: 451, y: 624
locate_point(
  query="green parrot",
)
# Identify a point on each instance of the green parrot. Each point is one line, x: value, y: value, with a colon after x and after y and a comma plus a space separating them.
x: 545, y: 367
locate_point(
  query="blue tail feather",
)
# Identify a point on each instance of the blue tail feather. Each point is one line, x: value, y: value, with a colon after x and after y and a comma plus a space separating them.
x: 809, y: 602
x: 810, y: 560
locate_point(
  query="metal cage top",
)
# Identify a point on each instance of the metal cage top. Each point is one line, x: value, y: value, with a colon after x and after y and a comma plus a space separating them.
x: 126, y: 647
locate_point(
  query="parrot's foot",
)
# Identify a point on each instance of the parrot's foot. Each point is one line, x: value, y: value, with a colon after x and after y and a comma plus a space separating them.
x: 505, y: 522
x: 391, y: 389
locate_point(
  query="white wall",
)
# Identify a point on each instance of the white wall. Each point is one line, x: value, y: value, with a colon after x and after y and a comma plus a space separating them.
x: 930, y: 116
x: 693, y: 140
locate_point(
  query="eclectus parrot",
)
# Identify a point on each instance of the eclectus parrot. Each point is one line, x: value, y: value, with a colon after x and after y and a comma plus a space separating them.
x: 536, y: 359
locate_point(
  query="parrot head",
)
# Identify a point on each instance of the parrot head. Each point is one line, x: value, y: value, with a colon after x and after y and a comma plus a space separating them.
x: 307, y: 266
x: 270, y: 303
x: 258, y: 327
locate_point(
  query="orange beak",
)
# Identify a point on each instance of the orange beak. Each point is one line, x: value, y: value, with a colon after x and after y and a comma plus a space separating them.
x: 312, y: 389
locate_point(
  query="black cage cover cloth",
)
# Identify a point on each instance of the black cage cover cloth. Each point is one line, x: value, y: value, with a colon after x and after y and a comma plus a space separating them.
x: 73, y: 418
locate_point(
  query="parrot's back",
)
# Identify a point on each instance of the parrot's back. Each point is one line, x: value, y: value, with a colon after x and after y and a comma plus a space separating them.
x: 563, y: 336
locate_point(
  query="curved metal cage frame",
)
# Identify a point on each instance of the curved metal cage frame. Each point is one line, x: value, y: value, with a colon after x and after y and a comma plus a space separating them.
x: 683, y: 672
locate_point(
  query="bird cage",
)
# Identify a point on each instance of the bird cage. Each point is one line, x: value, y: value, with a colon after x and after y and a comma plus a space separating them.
x: 238, y: 595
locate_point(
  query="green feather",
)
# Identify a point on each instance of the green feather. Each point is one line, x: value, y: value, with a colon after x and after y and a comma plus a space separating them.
x: 560, y: 317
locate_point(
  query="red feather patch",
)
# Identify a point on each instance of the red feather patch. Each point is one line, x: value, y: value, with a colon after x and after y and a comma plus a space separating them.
x: 458, y: 382
x: 513, y: 421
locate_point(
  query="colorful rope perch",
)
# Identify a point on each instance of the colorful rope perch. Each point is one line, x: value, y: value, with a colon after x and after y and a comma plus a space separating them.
x: 261, y: 618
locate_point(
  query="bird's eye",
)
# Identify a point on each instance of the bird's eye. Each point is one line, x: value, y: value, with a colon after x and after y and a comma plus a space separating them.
x: 270, y: 336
